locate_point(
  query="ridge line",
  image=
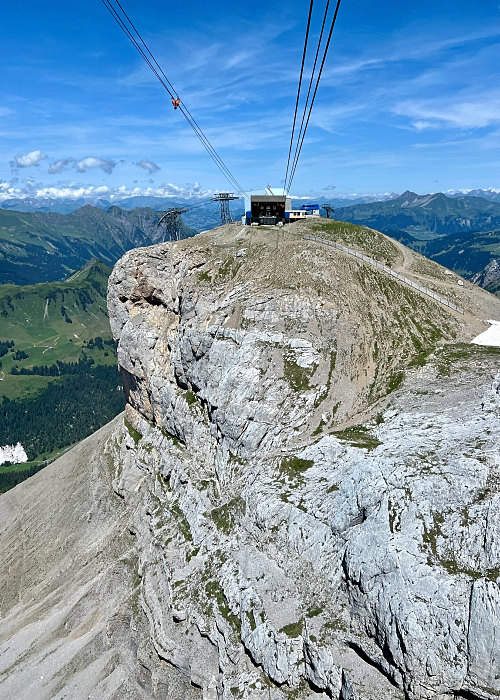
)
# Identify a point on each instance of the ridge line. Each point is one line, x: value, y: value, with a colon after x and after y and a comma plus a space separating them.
x: 379, y: 266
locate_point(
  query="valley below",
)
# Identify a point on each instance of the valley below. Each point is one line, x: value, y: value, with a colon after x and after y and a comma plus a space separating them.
x: 58, y: 376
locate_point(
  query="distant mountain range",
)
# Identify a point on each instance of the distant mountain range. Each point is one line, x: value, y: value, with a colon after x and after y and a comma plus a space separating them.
x: 43, y: 247
x: 66, y: 206
x: 199, y: 218
x: 425, y: 216
x: 461, y: 231
x: 205, y: 216
x: 492, y: 195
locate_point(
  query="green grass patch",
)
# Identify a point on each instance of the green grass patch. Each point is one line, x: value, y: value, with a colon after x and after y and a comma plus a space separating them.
x: 216, y: 595
x: 134, y: 434
x: 205, y: 276
x: 295, y: 466
x: 421, y: 359
x: 395, y: 381
x: 169, y: 436
x: 227, y: 515
x: 358, y: 436
x: 190, y: 397
x: 182, y: 523
x: 298, y: 377
x: 293, y: 630
x: 229, y: 269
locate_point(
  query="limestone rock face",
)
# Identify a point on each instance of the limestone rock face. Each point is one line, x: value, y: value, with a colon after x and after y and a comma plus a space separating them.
x: 308, y: 465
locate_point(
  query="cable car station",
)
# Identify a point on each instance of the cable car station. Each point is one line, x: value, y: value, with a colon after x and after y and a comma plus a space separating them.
x: 272, y: 210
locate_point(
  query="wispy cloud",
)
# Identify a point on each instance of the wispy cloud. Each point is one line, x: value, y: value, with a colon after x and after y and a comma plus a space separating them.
x: 148, y: 165
x: 470, y: 113
x: 105, y: 164
x: 59, y: 166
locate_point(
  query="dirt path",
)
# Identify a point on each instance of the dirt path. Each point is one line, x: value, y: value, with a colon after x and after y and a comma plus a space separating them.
x: 408, y: 258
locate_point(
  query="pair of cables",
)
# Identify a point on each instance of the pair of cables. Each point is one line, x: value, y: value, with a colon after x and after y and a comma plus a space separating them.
x: 314, y: 80
x: 125, y: 23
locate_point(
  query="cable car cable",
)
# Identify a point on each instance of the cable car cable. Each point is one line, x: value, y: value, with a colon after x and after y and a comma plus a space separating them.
x: 315, y: 91
x: 310, y: 83
x: 170, y: 89
x: 298, y: 91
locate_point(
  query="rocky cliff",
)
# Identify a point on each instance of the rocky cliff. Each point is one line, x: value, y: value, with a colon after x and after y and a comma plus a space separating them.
x: 300, y: 502
x: 489, y: 277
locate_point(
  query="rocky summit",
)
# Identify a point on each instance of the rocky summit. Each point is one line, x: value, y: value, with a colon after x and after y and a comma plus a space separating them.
x: 301, y: 500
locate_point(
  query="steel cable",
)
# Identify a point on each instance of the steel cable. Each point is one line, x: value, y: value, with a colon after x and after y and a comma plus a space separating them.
x: 298, y: 91
x: 169, y: 88
x: 185, y: 111
x: 182, y: 106
x: 310, y: 83
x: 204, y: 140
x: 294, y: 166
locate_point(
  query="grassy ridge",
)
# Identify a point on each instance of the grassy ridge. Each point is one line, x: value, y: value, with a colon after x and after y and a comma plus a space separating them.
x: 359, y: 238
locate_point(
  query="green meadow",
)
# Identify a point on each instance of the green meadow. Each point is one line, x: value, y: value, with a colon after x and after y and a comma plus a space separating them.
x: 59, y: 380
x: 53, y: 321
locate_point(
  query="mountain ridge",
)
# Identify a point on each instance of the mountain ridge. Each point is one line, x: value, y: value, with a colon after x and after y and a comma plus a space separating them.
x: 41, y: 247
x: 289, y: 507
x: 425, y: 216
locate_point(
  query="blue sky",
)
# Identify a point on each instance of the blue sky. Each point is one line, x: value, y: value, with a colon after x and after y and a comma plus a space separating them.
x: 410, y: 97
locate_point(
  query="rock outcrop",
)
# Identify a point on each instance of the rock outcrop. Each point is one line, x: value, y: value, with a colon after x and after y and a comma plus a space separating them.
x: 488, y: 277
x: 302, y: 496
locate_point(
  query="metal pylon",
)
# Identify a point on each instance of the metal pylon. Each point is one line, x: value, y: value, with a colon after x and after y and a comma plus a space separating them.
x: 173, y: 222
x: 224, y: 198
x: 329, y: 210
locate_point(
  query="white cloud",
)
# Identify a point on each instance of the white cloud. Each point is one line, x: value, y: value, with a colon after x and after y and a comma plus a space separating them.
x: 330, y: 187
x: 59, y: 166
x: 148, y: 165
x: 28, y: 160
x: 85, y: 164
x: 72, y: 192
x: 474, y: 112
x: 77, y: 190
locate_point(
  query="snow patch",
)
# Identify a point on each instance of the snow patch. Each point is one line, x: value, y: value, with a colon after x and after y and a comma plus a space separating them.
x: 13, y: 453
x: 490, y: 337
